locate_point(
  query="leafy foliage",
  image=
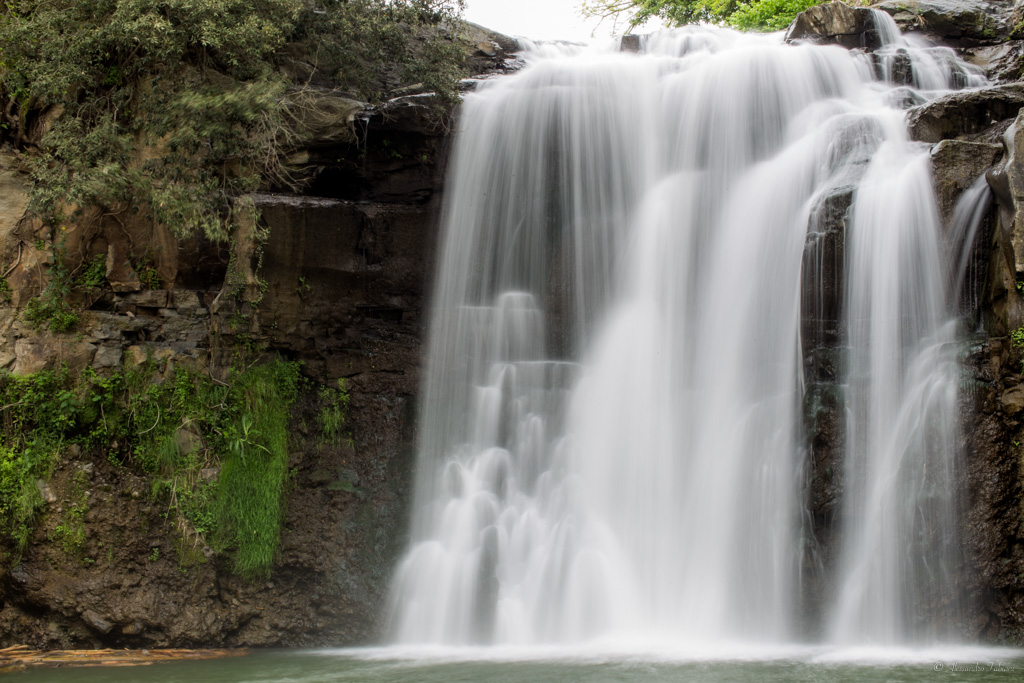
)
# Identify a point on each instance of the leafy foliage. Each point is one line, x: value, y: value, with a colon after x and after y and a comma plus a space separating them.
x: 185, y: 426
x: 386, y: 43
x: 753, y: 15
x: 770, y: 15
x: 174, y: 107
x: 36, y: 412
x: 52, y: 309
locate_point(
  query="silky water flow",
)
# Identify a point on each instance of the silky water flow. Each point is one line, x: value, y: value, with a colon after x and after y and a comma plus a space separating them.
x: 611, y: 435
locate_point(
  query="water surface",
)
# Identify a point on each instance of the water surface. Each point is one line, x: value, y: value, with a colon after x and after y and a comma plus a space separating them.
x: 583, y: 664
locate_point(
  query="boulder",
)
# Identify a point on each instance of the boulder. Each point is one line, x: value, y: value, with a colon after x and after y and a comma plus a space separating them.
x: 962, y: 23
x: 487, y: 51
x: 630, y: 43
x: 1002, y: 63
x: 107, y: 357
x: 965, y: 112
x: 96, y: 622
x: 1012, y: 400
x: 835, y: 23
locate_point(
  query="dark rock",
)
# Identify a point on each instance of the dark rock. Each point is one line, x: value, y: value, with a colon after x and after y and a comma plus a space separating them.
x: 630, y: 43
x: 965, y: 113
x: 956, y: 164
x: 835, y: 23
x: 962, y: 23
x: 1005, y: 307
x: 410, y: 114
x: 1002, y: 62
x: 96, y: 622
x: 822, y: 270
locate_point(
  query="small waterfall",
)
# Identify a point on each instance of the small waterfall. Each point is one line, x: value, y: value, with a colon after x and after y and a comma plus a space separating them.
x: 902, y: 418
x: 611, y: 435
x: 911, y: 61
x: 964, y: 259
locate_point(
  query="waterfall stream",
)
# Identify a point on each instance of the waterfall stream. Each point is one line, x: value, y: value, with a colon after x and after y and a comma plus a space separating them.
x: 612, y: 440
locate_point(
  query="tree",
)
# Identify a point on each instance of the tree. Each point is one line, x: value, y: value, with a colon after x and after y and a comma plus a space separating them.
x: 173, y: 106
x: 771, y: 15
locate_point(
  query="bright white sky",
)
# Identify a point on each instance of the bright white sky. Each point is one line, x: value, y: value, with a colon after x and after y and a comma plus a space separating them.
x: 537, y: 19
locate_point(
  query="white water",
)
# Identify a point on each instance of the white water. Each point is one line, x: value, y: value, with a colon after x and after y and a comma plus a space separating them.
x: 968, y: 215
x: 611, y: 432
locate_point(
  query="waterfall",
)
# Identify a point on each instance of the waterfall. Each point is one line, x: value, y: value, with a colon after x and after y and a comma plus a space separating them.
x: 611, y: 437
x: 966, y: 271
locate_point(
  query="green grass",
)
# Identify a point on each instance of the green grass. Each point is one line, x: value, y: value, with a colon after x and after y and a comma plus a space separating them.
x: 250, y: 488
x: 176, y: 431
x: 332, y: 411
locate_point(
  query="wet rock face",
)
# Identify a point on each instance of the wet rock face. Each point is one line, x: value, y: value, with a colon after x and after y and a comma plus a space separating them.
x: 971, y: 134
x: 993, y: 531
x: 956, y: 165
x: 136, y: 582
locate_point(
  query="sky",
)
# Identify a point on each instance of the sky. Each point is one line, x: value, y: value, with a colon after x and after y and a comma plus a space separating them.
x: 537, y: 19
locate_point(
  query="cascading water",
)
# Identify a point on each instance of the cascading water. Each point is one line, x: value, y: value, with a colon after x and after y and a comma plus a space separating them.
x: 611, y: 434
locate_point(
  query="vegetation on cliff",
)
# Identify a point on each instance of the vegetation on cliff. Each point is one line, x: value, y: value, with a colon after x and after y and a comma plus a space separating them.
x: 174, y: 107
x: 749, y: 15
x: 215, y: 452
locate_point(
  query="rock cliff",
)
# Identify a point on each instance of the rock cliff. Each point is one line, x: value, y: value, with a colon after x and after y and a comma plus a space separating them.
x: 339, y: 280
x: 335, y: 277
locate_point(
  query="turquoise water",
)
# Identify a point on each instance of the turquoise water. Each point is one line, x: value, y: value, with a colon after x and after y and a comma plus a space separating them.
x: 324, y: 666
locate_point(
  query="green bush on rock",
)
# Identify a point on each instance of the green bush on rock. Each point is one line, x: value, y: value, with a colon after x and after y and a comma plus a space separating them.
x: 177, y: 432
x: 174, y: 107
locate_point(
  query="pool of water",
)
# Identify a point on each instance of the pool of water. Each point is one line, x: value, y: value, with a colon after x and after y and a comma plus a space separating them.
x: 592, y: 664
